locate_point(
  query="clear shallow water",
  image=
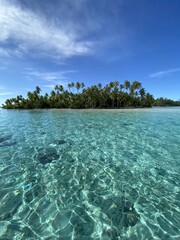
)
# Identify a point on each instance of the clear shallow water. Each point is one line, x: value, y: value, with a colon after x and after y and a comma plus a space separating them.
x: 104, y: 174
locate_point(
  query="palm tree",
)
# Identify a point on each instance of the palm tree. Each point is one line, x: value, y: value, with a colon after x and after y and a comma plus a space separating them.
x: 37, y: 90
x: 53, y: 94
x: 78, y: 86
x: 99, y: 86
x: 149, y: 100
x: 106, y: 94
x: 127, y: 85
x: 115, y: 94
x: 61, y: 88
x: 30, y: 96
x: 93, y: 97
x: 8, y: 104
x: 72, y: 85
x: 46, y: 96
x: 135, y: 86
x: 142, y: 93
x: 69, y: 86
x: 56, y: 88
x: 121, y: 87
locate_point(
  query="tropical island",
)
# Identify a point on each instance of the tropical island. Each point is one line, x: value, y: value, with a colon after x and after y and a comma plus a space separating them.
x: 112, y: 95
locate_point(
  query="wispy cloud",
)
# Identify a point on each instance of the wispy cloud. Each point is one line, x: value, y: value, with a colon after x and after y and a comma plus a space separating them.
x: 30, y: 31
x: 5, y: 52
x: 48, y: 76
x: 5, y: 93
x: 51, y: 86
x: 163, y: 73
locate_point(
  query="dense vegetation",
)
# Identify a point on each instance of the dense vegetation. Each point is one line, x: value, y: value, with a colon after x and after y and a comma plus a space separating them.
x: 165, y: 102
x: 113, y: 95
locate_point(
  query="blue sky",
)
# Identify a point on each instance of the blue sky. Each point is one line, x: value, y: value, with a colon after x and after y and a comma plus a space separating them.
x: 49, y: 42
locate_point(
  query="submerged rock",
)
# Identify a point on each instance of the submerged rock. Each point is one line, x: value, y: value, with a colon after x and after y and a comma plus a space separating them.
x: 6, y: 141
x: 128, y: 206
x: 47, y: 155
x: 127, y: 124
x: 132, y: 218
x: 65, y: 157
x: 43, y: 133
x: 61, y: 141
x: 119, y: 211
x: 5, y: 138
x: 160, y: 171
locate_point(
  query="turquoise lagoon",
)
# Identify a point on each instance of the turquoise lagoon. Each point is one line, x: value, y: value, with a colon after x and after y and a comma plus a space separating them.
x: 90, y: 174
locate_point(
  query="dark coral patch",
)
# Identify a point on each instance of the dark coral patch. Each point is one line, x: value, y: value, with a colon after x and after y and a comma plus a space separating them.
x: 6, y: 141
x: 5, y: 138
x: 61, y: 141
x: 47, y: 155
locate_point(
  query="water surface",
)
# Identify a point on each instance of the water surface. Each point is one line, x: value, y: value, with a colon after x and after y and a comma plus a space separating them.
x: 90, y: 174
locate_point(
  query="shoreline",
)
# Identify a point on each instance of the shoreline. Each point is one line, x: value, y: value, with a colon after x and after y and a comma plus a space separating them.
x: 98, y: 109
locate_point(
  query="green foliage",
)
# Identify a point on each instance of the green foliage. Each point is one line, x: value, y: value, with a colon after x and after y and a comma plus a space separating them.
x: 112, y: 95
x: 165, y: 102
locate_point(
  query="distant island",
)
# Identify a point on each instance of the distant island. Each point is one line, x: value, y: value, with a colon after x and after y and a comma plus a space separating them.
x: 112, y: 95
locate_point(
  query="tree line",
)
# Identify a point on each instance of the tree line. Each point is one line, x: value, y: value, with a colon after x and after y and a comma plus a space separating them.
x: 112, y: 95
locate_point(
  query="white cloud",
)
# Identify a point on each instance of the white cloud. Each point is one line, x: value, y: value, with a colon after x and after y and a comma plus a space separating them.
x: 29, y: 31
x: 56, y: 77
x: 163, y: 73
x: 5, y: 52
x: 51, y: 86
x: 5, y: 93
